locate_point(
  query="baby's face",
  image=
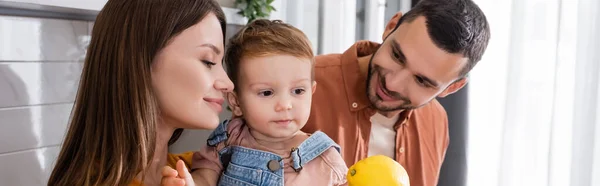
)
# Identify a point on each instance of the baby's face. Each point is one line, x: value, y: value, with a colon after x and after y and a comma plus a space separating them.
x: 275, y: 94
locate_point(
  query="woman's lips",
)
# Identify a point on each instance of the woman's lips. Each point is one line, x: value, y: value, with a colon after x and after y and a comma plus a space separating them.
x: 215, y: 103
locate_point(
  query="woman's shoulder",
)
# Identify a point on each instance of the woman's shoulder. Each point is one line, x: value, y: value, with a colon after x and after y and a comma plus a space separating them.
x: 186, y: 157
x: 135, y: 182
x: 171, y: 162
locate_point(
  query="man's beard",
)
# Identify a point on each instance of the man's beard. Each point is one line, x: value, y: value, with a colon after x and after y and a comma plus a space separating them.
x: 376, y: 100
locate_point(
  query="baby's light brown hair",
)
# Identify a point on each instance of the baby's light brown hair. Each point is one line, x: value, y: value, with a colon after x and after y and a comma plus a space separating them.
x: 264, y: 38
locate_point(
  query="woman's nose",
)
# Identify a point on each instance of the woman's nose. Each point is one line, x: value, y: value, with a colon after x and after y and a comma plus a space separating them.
x: 223, y: 83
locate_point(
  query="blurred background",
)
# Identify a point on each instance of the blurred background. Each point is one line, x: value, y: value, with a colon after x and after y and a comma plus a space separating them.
x: 528, y: 116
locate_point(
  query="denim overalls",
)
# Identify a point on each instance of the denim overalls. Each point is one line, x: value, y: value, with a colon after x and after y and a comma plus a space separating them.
x: 250, y: 167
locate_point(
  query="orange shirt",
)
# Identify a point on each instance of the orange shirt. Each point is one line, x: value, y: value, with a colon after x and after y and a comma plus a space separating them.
x: 342, y: 110
x: 171, y: 162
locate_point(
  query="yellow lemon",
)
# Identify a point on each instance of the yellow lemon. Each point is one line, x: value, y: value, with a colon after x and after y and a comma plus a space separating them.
x: 377, y: 170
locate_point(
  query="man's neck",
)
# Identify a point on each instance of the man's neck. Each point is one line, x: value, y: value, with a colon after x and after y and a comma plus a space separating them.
x: 390, y: 114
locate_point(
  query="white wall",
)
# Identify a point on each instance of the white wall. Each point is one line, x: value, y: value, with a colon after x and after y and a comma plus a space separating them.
x: 338, y: 28
x: 80, y: 4
x: 40, y: 65
x: 227, y: 3
x: 374, y: 20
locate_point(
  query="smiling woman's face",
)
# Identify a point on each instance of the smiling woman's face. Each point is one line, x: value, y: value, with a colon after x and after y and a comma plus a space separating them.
x: 189, y: 79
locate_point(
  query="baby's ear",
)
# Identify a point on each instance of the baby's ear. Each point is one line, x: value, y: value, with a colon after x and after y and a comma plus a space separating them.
x: 234, y: 105
x: 314, y: 86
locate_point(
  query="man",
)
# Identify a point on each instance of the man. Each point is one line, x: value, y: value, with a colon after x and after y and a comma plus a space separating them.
x: 380, y: 98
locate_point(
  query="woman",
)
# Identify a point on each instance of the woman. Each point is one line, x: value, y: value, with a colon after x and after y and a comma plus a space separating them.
x: 153, y: 67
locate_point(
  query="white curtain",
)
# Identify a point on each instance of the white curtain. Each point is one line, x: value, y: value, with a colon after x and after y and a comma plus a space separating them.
x: 329, y: 25
x: 534, y: 103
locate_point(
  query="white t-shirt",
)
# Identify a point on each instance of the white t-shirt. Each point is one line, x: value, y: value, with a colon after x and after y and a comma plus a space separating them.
x: 383, y: 135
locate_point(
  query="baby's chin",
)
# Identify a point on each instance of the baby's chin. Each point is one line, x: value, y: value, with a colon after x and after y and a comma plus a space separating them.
x: 284, y: 134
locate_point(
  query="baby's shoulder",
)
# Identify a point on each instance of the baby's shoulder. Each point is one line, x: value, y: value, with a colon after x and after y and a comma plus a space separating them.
x: 228, y: 131
x: 333, y: 159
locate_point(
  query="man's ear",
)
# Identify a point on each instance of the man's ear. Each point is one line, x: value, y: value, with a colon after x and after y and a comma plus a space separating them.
x: 457, y: 85
x: 314, y: 86
x: 233, y: 100
x: 391, y: 25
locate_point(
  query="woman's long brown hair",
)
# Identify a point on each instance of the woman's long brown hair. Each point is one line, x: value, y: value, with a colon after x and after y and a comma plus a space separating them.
x: 112, y: 132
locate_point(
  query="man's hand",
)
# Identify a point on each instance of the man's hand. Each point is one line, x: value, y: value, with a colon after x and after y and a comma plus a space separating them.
x: 179, y: 177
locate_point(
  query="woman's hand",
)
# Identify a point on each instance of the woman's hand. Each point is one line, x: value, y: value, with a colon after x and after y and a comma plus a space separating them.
x: 179, y: 177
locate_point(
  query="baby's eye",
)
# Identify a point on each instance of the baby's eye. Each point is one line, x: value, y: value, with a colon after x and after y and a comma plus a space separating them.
x: 265, y: 93
x: 298, y: 91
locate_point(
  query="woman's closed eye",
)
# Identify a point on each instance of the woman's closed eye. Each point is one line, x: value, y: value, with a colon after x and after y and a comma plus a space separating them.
x: 209, y: 64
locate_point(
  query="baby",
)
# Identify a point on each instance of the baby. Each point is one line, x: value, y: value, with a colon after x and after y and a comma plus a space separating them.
x: 271, y: 66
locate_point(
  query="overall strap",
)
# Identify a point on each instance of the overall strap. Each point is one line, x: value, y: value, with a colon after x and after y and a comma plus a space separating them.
x: 311, y: 148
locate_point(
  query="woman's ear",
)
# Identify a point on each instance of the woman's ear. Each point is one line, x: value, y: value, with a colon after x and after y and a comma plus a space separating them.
x: 234, y: 105
x: 314, y: 86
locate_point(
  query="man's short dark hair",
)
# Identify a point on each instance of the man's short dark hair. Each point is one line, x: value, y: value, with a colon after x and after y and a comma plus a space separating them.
x: 456, y: 26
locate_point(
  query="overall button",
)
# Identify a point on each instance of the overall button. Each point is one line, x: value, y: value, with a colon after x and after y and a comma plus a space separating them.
x: 273, y: 165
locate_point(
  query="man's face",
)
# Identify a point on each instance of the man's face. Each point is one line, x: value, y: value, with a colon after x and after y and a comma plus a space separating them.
x: 409, y: 70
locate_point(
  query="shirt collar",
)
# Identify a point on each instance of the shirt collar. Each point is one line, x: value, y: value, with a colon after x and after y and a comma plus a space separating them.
x: 354, y: 80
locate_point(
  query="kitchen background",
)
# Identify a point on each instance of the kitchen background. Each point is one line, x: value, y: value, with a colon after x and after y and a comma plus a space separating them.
x: 527, y: 117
